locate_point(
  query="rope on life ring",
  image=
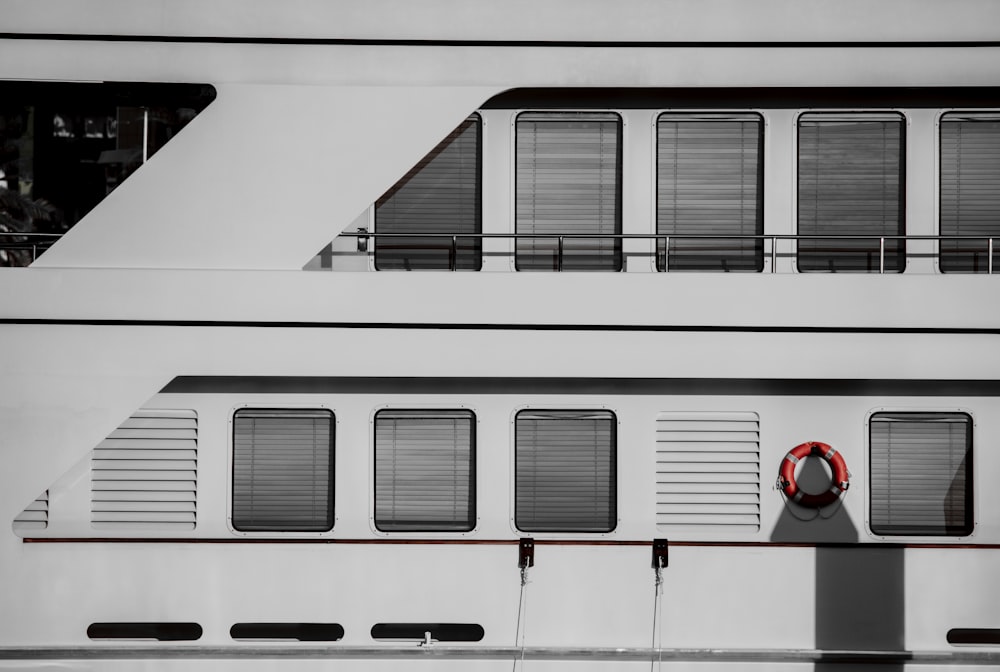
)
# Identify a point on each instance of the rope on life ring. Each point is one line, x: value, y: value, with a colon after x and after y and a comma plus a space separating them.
x: 838, y: 483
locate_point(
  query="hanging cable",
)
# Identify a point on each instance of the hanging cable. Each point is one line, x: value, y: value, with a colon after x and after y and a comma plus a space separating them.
x: 660, y: 547
x: 658, y: 590
x: 525, y: 559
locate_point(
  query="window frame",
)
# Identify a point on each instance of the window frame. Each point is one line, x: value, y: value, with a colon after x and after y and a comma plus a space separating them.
x: 939, y: 119
x: 762, y: 149
x: 430, y: 411
x: 480, y: 180
x: 231, y: 486
x: 619, y: 247
x: 972, y: 472
x: 860, y: 113
x: 613, y: 499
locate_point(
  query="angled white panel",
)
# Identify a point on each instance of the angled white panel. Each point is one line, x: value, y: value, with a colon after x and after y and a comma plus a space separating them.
x: 264, y: 177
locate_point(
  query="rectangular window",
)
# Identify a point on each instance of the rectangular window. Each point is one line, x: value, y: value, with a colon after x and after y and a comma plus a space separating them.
x: 970, y: 191
x: 569, y: 196
x: 425, y: 475
x: 565, y: 471
x: 921, y: 473
x: 851, y: 188
x: 710, y: 182
x: 442, y: 194
x: 283, y: 470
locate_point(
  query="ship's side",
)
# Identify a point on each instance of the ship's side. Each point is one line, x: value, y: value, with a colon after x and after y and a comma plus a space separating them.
x: 546, y: 450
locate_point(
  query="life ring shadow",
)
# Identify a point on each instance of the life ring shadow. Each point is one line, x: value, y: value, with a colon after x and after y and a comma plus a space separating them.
x: 859, y: 588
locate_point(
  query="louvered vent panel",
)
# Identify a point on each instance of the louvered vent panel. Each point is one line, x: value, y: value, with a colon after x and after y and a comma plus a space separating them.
x: 708, y: 471
x: 35, y: 516
x: 144, y: 476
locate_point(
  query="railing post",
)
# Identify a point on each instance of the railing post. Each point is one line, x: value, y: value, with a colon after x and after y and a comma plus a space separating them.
x: 881, y: 254
x: 34, y: 251
x: 454, y: 253
x: 666, y: 253
x: 559, y: 259
x: 989, y: 259
x: 774, y: 253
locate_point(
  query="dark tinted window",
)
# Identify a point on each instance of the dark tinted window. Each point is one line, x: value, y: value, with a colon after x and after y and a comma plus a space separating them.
x: 283, y: 470
x: 65, y: 146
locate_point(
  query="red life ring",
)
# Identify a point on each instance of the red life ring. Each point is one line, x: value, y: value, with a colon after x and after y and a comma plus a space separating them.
x: 838, y: 484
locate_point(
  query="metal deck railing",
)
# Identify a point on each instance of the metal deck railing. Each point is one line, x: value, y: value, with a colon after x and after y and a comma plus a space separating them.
x: 874, y: 250
x: 20, y: 249
x: 870, y: 254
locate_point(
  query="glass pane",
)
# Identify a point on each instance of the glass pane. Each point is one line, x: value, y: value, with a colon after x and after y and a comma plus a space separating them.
x: 709, y: 178
x: 424, y: 471
x: 921, y: 473
x: 565, y: 471
x: 568, y: 186
x: 970, y: 191
x: 440, y: 195
x: 283, y: 470
x: 850, y: 187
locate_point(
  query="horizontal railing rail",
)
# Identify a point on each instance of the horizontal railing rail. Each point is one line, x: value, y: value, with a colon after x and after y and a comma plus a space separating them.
x: 451, y: 243
x: 24, y: 247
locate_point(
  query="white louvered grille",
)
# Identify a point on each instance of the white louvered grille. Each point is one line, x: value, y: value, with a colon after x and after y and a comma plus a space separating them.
x: 35, y: 516
x: 144, y: 475
x: 708, y: 471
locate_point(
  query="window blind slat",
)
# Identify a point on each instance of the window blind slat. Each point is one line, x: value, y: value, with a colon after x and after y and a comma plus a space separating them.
x: 283, y: 470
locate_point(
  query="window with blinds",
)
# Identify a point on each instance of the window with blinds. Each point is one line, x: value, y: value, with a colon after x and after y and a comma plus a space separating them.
x: 283, y: 470
x: 710, y: 182
x: 442, y: 194
x: 851, y: 188
x: 921, y: 473
x: 425, y: 475
x: 970, y: 190
x: 565, y: 471
x: 568, y: 192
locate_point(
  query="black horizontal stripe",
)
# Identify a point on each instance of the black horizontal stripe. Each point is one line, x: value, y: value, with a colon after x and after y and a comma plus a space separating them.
x: 444, y: 42
x: 578, y: 386
x: 483, y: 326
x: 596, y: 540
